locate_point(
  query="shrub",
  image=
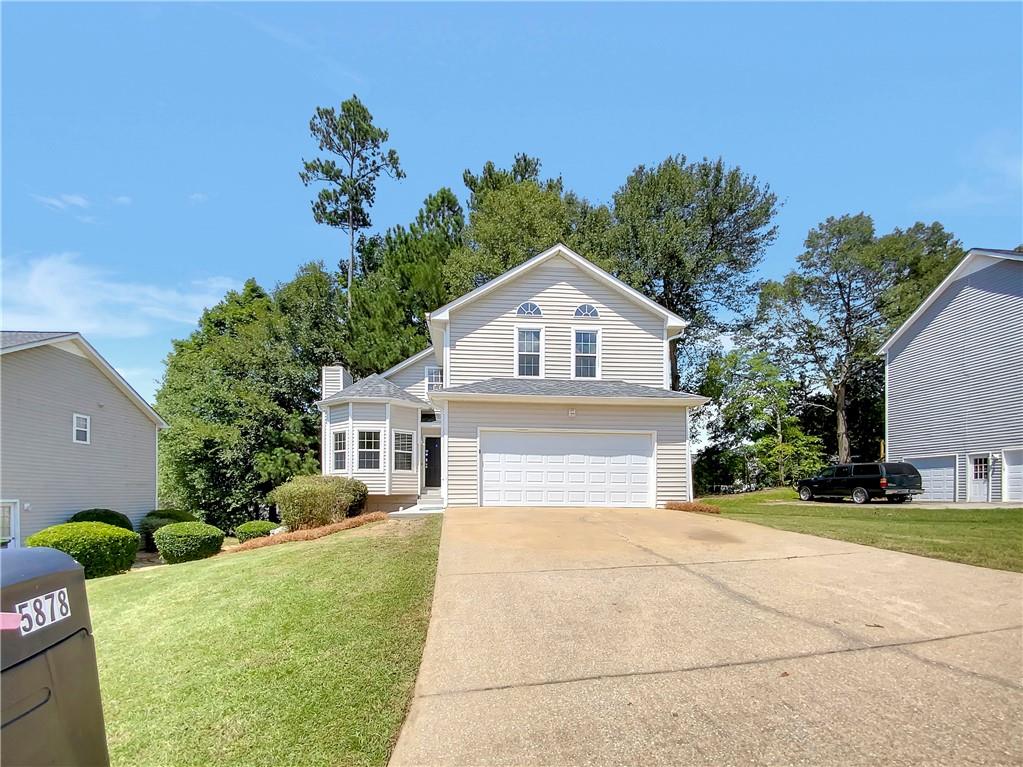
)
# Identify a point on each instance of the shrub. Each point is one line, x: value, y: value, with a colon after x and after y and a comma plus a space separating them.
x: 315, y: 501
x: 154, y: 520
x: 699, y: 508
x: 100, y: 548
x: 185, y: 541
x: 109, y: 516
x: 257, y: 528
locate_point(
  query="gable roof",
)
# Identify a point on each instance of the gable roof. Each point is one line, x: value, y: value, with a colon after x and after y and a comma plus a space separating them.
x: 673, y: 320
x: 571, y: 390
x: 374, y: 388
x: 405, y: 363
x: 19, y: 340
x: 964, y: 267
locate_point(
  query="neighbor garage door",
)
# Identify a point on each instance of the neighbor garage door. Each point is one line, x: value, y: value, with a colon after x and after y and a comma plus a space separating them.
x: 538, y: 468
x: 939, y: 477
x: 1013, y: 475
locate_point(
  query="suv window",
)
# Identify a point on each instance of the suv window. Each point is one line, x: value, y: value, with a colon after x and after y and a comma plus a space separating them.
x: 828, y: 472
x: 842, y: 471
x: 866, y: 470
x: 892, y: 469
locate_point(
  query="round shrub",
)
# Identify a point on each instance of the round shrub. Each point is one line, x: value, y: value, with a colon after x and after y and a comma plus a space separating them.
x: 100, y: 548
x: 154, y: 520
x: 109, y: 516
x: 176, y: 514
x: 257, y: 528
x: 185, y: 541
x: 315, y: 501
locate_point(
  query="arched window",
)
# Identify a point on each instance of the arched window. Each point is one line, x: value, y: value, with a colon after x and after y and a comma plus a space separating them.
x: 586, y: 310
x: 529, y: 309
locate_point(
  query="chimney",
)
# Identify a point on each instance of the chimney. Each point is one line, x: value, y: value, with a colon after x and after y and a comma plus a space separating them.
x: 333, y: 378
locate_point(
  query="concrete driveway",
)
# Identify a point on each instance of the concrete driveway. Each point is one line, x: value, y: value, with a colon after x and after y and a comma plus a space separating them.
x: 574, y: 636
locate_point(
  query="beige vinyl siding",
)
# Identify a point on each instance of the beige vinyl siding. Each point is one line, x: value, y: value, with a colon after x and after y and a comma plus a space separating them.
x: 406, y: 419
x: 370, y: 417
x: 482, y: 333
x: 413, y: 378
x: 40, y: 465
x: 667, y: 423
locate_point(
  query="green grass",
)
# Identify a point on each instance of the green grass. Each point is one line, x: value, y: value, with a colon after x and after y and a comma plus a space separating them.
x: 985, y: 537
x: 298, y: 654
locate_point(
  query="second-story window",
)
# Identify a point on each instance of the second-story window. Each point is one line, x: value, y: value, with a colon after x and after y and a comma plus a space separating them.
x: 585, y: 353
x: 528, y: 352
x: 81, y: 429
x: 529, y: 309
x: 434, y: 378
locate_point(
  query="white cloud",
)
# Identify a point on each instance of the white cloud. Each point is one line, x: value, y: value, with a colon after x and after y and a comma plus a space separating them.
x: 122, y: 199
x: 60, y: 292
x: 62, y: 201
x: 197, y: 198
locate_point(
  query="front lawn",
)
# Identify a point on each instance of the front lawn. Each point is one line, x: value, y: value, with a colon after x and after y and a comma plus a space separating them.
x: 300, y: 654
x: 985, y: 537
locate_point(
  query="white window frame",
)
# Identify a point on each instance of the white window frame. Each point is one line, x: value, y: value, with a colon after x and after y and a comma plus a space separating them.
x: 594, y: 316
x: 520, y: 313
x: 431, y: 385
x: 543, y: 351
x: 343, y: 451
x: 980, y: 460
x: 359, y: 450
x: 75, y: 429
x: 15, y: 522
x: 599, y: 355
x: 411, y: 451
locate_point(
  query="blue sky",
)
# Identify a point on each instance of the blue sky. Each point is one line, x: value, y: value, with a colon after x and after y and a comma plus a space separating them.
x: 150, y: 152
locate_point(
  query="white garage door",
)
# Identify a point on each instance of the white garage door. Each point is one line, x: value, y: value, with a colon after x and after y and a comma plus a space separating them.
x: 1014, y: 475
x: 939, y: 477
x: 528, y: 468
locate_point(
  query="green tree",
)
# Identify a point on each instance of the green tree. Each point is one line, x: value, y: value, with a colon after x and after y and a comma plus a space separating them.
x: 349, y: 186
x: 689, y: 235
x: 238, y: 396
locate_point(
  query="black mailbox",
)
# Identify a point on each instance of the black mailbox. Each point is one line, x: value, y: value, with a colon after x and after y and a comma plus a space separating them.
x: 49, y: 685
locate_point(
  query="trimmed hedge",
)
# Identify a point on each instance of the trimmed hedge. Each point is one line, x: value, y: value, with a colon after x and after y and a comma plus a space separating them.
x: 314, y: 501
x: 185, y: 541
x: 154, y: 520
x: 100, y: 548
x: 108, y: 516
x: 257, y: 528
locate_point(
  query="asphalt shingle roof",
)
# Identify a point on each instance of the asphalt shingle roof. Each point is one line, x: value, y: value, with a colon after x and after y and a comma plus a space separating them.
x: 9, y: 338
x: 550, y: 387
x: 375, y: 387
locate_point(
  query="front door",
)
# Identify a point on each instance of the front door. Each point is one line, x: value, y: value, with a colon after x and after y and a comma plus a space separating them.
x: 432, y: 461
x: 979, y: 478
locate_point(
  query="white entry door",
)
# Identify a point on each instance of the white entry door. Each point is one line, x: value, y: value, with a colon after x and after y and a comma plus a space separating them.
x: 939, y: 477
x: 1013, y: 475
x: 538, y: 468
x: 978, y: 472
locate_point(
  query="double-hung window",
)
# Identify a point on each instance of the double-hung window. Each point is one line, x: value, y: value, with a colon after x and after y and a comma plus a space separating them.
x: 980, y: 468
x: 585, y: 353
x: 528, y: 352
x: 403, y: 450
x: 369, y: 450
x: 81, y: 429
x: 340, y: 453
x: 434, y: 378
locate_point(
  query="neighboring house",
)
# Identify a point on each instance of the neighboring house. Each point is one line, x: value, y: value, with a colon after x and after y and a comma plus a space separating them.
x: 954, y: 383
x: 73, y: 435
x: 548, y: 386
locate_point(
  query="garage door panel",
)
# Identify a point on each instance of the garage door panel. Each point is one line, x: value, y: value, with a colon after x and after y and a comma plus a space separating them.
x: 615, y: 470
x: 938, y: 475
x: 1014, y: 475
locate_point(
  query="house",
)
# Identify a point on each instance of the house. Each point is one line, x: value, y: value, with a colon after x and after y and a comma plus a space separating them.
x: 73, y: 435
x: 954, y: 383
x: 548, y: 386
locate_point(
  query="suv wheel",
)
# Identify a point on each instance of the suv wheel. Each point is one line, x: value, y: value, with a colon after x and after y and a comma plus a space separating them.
x: 805, y: 493
x: 860, y: 495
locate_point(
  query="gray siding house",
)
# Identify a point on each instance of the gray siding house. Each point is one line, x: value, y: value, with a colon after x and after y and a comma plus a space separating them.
x: 73, y: 435
x: 954, y: 383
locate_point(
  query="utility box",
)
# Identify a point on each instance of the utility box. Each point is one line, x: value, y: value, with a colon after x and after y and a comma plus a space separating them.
x: 49, y: 684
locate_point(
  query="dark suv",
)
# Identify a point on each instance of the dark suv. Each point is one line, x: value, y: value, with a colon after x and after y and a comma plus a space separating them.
x: 898, y: 482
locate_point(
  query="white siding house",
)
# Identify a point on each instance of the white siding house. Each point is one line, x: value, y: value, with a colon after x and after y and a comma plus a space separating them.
x: 73, y: 435
x: 954, y: 383
x: 548, y: 386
